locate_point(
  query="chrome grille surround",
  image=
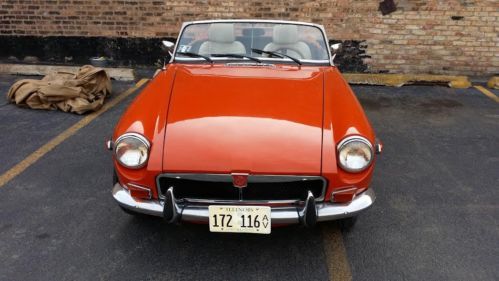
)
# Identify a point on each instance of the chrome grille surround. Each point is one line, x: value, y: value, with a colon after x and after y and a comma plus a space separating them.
x: 227, y: 178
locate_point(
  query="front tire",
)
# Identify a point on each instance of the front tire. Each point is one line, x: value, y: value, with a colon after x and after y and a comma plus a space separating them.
x: 132, y: 213
x: 347, y: 224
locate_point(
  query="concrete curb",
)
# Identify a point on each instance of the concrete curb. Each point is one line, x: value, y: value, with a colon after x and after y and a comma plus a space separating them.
x: 381, y: 79
x: 123, y: 74
x: 399, y: 80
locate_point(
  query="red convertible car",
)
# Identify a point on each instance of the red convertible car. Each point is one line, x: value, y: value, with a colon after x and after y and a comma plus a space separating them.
x: 248, y: 126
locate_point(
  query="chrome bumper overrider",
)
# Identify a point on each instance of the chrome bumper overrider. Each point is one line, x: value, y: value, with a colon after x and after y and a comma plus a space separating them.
x: 305, y: 214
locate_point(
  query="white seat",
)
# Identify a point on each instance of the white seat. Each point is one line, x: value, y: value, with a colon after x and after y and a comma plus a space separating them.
x: 285, y: 40
x: 221, y: 40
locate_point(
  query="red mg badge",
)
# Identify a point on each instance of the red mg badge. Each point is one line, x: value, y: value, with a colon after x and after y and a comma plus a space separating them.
x: 239, y: 180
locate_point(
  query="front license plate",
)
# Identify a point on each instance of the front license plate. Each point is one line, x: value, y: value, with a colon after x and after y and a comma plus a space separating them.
x: 240, y: 219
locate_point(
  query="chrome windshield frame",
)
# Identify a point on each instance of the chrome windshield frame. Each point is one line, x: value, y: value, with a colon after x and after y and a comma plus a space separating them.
x: 328, y: 61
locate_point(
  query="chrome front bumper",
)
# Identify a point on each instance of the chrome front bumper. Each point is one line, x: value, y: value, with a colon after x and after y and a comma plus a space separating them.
x: 280, y: 215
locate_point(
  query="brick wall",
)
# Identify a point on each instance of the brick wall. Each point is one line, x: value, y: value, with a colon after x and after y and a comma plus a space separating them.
x: 432, y: 36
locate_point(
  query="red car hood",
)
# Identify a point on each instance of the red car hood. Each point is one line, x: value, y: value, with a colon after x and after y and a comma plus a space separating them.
x: 260, y: 120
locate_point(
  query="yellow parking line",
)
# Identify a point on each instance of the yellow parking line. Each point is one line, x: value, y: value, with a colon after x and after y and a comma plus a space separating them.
x: 488, y: 93
x: 336, y: 255
x: 33, y: 157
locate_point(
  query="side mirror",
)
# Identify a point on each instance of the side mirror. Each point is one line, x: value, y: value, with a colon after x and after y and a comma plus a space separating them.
x: 168, y: 44
x: 335, y: 49
x: 168, y: 47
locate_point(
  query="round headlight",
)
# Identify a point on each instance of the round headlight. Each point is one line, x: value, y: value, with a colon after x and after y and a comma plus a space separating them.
x: 355, y: 154
x: 132, y: 150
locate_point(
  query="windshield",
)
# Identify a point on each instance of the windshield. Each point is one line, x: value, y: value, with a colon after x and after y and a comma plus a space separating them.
x: 285, y: 42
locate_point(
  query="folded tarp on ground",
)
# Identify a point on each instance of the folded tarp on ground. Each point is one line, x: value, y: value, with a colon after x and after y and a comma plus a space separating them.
x: 69, y: 92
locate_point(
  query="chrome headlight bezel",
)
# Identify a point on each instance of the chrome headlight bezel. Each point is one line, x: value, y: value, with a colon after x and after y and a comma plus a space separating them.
x: 133, y: 136
x: 349, y: 140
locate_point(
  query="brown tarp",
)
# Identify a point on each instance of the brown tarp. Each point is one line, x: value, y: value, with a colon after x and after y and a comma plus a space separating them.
x: 69, y: 92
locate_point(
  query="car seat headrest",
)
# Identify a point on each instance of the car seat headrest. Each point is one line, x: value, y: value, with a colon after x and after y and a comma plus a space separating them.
x: 285, y: 34
x: 221, y: 32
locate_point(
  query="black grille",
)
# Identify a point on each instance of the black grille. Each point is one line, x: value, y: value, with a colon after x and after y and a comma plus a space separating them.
x: 285, y: 188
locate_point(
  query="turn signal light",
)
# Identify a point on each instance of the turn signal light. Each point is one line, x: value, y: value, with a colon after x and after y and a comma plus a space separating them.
x: 139, y: 192
x: 343, y: 195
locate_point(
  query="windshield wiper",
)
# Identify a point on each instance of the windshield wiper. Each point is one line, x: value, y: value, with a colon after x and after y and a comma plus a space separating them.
x: 194, y: 55
x: 275, y: 54
x: 236, y: 56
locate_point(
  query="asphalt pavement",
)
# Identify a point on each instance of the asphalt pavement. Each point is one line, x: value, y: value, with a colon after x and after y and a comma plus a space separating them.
x: 436, y: 216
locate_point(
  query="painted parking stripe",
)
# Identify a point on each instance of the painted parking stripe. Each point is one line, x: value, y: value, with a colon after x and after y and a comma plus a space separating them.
x: 488, y: 93
x: 338, y: 266
x: 33, y: 157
